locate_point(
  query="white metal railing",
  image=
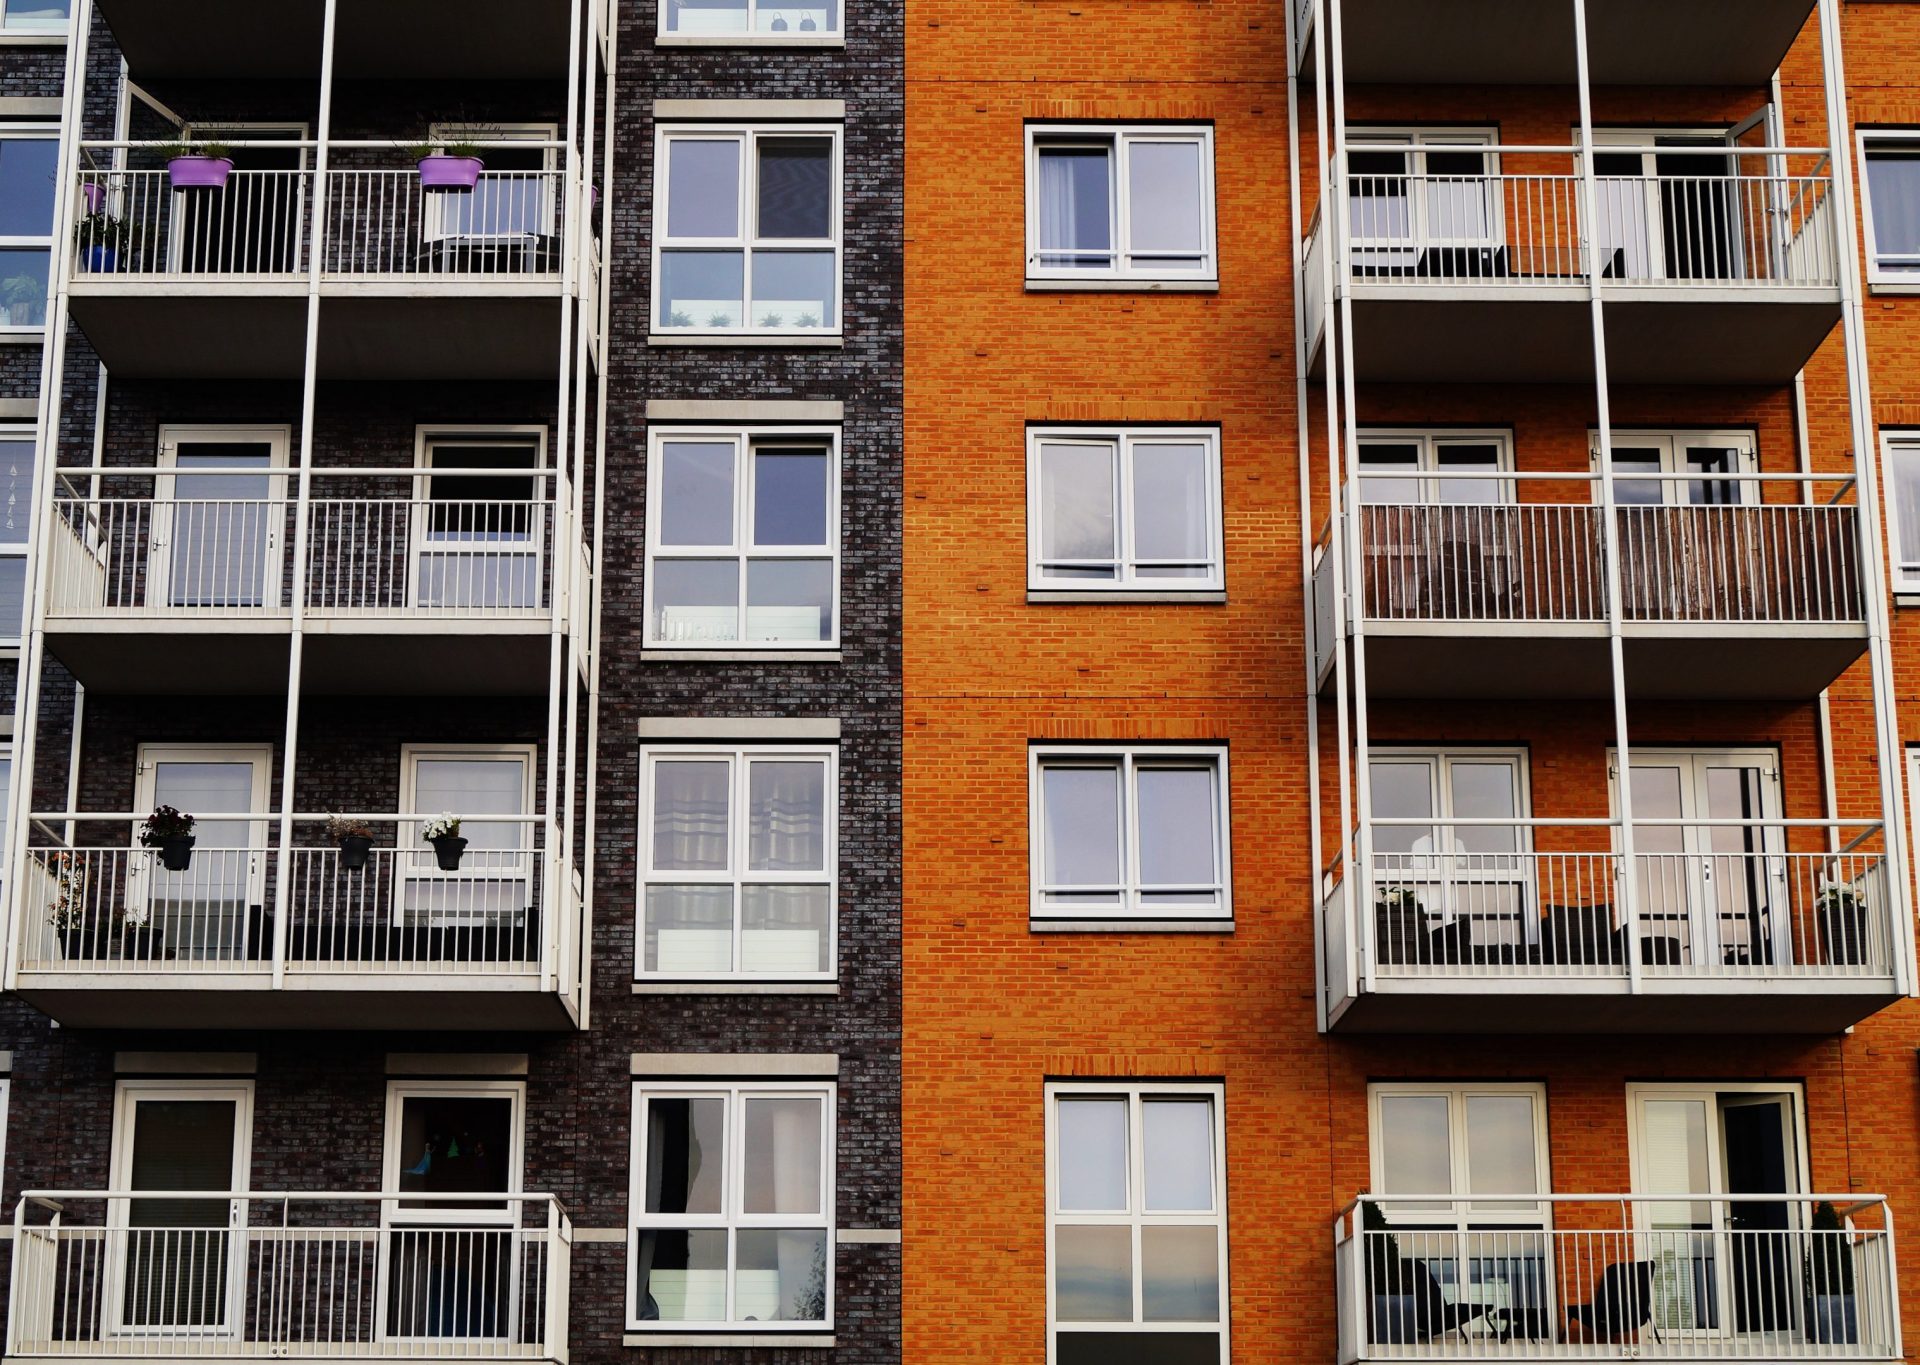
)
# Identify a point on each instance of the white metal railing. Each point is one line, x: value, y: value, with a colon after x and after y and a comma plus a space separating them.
x: 1760, y: 562
x: 1488, y: 562
x: 1670, y: 1276
x: 257, y: 1275
x: 218, y: 556
x: 135, y: 223
x: 381, y: 222
x: 1543, y: 900
x: 395, y: 555
x: 102, y: 907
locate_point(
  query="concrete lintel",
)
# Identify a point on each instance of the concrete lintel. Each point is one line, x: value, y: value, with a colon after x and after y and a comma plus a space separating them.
x: 811, y: 1064
x: 187, y: 1063
x: 456, y: 1063
x: 816, y: 728
x: 745, y: 410
x: 748, y: 110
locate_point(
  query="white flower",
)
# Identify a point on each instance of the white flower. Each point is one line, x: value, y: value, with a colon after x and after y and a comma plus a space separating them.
x: 447, y: 826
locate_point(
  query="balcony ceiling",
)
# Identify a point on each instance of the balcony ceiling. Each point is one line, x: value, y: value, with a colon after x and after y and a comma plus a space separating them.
x: 1530, y: 42
x: 1670, y: 1006
x: 375, y: 39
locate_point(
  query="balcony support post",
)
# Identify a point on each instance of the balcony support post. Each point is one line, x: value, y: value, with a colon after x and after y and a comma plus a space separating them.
x: 1627, y: 883
x: 53, y: 359
x: 1866, y: 470
x: 297, y: 596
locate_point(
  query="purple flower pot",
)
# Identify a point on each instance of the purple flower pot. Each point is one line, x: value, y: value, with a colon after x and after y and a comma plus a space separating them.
x: 199, y: 172
x: 94, y: 195
x: 459, y: 173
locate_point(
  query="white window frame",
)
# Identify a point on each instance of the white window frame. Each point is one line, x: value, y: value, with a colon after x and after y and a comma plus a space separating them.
x: 393, y: 1157
x: 742, y: 550
x: 1136, y: 1093
x: 752, y: 36
x: 22, y: 132
x: 1116, y: 137
x: 1900, y: 448
x: 144, y: 869
x: 1515, y: 1210
x: 33, y: 31
x: 414, y: 859
x: 1405, y: 138
x: 23, y: 549
x: 731, y: 1218
x: 1128, y: 758
x: 1120, y: 441
x: 747, y: 239
x: 1442, y: 872
x: 738, y: 758
x: 1428, y: 474
x: 160, y: 572
x: 1672, y: 443
x: 427, y: 441
x: 1884, y: 280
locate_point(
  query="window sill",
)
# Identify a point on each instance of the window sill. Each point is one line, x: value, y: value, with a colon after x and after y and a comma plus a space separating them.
x: 1110, y: 285
x: 757, y: 40
x: 736, y: 988
x: 1130, y: 926
x: 765, y: 340
x: 36, y: 337
x: 1893, y: 287
x: 27, y: 38
x: 740, y: 656
x: 1906, y: 599
x: 1124, y: 597
x: 798, y: 1341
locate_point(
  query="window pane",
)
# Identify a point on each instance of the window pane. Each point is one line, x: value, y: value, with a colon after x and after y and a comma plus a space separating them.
x: 681, y: 1275
x: 790, y: 599
x: 474, y: 786
x: 1163, y: 198
x: 1176, y: 827
x: 696, y: 493
x: 1401, y: 791
x: 1080, y: 830
x: 27, y: 166
x: 703, y: 187
x: 1170, y: 505
x: 782, y: 1170
x: 1636, y: 461
x: 23, y: 287
x: 686, y: 1149
x: 1093, y: 1274
x: 784, y: 930
x: 782, y: 1275
x: 1092, y: 1160
x: 450, y: 1144
x: 793, y: 288
x: 1675, y: 1134
x: 1479, y: 457
x: 16, y: 490
x: 703, y: 289
x: 1484, y: 791
x: 1415, y: 1155
x: 787, y: 816
x: 690, y: 816
x: 1500, y: 1147
x: 1178, y: 1135
x: 1904, y: 462
x: 1379, y: 457
x: 809, y: 16
x: 1893, y: 185
x: 689, y: 929
x: 705, y: 16
x: 38, y: 14
x: 1075, y: 188
x: 1180, y: 1274
x: 696, y: 600
x: 789, y: 496
x: 1077, y: 518
x: 796, y: 187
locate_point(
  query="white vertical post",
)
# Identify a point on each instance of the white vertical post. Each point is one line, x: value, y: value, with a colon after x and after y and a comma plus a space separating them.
x: 1609, y: 521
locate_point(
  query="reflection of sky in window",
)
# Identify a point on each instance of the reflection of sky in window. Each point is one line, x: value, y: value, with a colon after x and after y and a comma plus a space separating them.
x: 1082, y: 838
x: 1893, y: 187
x: 1178, y: 1134
x: 1500, y: 1147
x: 1163, y: 208
x: 1169, y: 501
x: 1093, y: 1154
x: 696, y: 493
x: 790, y: 497
x: 27, y: 167
x: 1180, y: 1274
x: 1175, y: 821
x: 703, y: 188
x: 1076, y: 502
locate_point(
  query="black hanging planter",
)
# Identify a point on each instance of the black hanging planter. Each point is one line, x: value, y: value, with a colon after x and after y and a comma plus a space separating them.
x: 354, y: 851
x: 448, y: 849
x: 176, y: 853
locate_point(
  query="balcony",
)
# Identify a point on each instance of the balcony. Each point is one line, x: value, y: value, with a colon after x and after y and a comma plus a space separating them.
x: 1509, y: 600
x: 400, y: 593
x: 1726, y: 277
x: 1525, y: 42
x: 421, y: 284
x: 1621, y: 1277
x: 257, y: 936
x: 1490, y: 926
x: 255, y: 1275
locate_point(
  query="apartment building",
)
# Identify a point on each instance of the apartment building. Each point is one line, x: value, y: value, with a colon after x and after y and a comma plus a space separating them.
x: 453, y: 411
x: 1421, y: 871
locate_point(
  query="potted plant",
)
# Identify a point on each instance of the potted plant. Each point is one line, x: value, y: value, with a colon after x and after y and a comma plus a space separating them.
x: 1389, y: 1284
x: 197, y: 165
x: 1843, y: 925
x: 67, y: 911
x: 452, y: 162
x: 170, y: 831
x: 1831, y: 1314
x: 1400, y: 924
x: 139, y: 940
x: 354, y: 838
x: 448, y: 846
x: 25, y: 296
x: 102, y: 240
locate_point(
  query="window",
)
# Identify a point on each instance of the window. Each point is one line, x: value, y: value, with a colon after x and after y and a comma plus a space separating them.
x: 1890, y: 187
x: 1653, y: 468
x: 1424, y: 466
x: 732, y: 1202
x: 759, y: 20
x: 1130, y: 834
x: 1136, y: 1223
x: 35, y: 16
x: 492, y: 888
x: 1124, y: 510
x: 1902, y: 466
x: 738, y: 862
x: 17, y: 451
x: 481, y: 544
x: 1417, y: 205
x: 29, y: 163
x: 747, y: 230
x: 515, y: 197
x: 1121, y: 203
x: 743, y: 539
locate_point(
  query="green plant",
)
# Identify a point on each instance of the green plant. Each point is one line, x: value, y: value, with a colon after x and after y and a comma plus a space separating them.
x: 1384, y: 1266
x: 445, y: 827
x: 67, y: 909
x: 773, y: 320
x: 103, y: 229
x: 1829, y: 1267
x: 677, y: 318
x: 459, y: 139
x: 1399, y: 900
x: 18, y: 289
x: 719, y: 320
x: 1837, y: 898
x: 807, y: 320
x: 165, y: 823
x: 173, y: 151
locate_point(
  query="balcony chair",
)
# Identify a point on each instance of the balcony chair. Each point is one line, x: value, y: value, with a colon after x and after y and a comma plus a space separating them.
x: 1656, y: 950
x: 1579, y: 936
x: 1421, y: 1310
x: 1620, y: 1306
